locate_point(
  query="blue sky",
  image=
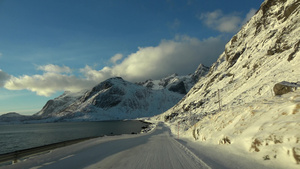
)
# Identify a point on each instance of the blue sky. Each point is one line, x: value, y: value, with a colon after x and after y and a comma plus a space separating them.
x: 49, y: 46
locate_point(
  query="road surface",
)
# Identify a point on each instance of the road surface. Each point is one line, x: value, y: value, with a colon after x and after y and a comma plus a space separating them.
x: 154, y: 150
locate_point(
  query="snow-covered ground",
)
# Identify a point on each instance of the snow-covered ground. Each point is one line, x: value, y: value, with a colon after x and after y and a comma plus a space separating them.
x: 265, y: 131
x: 157, y: 149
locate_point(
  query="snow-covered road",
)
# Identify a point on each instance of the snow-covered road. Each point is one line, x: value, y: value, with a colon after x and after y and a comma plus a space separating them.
x: 157, y: 149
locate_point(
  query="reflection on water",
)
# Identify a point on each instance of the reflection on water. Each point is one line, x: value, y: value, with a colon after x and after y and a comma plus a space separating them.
x: 23, y: 136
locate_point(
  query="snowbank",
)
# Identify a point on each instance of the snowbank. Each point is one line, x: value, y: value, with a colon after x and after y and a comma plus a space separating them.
x: 264, y: 131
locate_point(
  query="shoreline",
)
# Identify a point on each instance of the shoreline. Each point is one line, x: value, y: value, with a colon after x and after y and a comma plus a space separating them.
x: 47, y: 122
x: 13, y: 157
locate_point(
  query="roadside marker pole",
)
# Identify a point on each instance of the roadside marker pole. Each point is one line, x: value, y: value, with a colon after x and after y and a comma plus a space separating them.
x: 178, y: 130
x: 220, y: 109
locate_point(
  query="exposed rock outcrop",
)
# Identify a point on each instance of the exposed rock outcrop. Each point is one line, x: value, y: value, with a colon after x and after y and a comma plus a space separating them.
x: 285, y: 87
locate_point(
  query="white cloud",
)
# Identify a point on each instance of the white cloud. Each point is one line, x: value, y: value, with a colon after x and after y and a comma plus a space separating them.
x: 116, y: 58
x: 54, y: 68
x: 52, y: 80
x: 48, y: 83
x: 223, y: 23
x: 181, y: 55
x: 249, y: 15
x: 95, y: 75
x: 227, y: 23
x: 3, y: 78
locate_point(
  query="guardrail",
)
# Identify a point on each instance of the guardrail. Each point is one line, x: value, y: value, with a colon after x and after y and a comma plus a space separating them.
x: 15, y: 156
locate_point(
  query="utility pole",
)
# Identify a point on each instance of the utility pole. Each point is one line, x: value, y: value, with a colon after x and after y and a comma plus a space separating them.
x: 220, y: 109
x: 178, y: 130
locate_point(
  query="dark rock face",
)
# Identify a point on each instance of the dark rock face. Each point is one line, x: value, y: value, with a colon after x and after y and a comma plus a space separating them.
x: 171, y: 116
x: 109, y: 98
x: 296, y: 49
x: 149, y: 85
x: 233, y: 56
x: 179, y: 88
x: 200, y: 72
x: 285, y: 87
x: 176, y: 83
x: 165, y: 81
x: 102, y: 86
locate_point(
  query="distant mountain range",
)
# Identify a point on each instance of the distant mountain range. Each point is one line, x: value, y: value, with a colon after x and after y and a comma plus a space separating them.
x: 115, y: 99
x: 13, y: 116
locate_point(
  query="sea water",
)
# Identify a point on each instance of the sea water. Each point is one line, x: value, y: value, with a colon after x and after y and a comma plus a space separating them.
x: 22, y: 136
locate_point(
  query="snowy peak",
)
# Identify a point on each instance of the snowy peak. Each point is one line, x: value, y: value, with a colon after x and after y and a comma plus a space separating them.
x: 112, y: 99
x: 274, y: 29
x: 112, y: 92
x: 201, y: 71
x: 59, y: 104
x: 281, y: 9
x: 107, y: 84
x: 176, y: 83
x: 265, y: 47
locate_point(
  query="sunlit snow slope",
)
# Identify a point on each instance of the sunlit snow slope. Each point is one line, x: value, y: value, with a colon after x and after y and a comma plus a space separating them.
x: 236, y: 104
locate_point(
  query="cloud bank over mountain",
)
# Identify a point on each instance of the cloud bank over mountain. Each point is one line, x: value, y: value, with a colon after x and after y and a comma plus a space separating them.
x: 180, y: 55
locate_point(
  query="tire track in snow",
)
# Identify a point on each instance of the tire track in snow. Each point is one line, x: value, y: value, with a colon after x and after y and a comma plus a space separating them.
x: 192, y: 155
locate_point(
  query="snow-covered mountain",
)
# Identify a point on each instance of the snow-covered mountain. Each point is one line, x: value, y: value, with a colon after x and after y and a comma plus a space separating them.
x: 116, y: 98
x: 12, y: 116
x: 176, y: 83
x: 235, y: 103
x: 59, y: 104
x: 112, y: 99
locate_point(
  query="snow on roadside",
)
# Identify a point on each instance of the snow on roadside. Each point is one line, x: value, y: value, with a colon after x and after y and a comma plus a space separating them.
x: 267, y: 131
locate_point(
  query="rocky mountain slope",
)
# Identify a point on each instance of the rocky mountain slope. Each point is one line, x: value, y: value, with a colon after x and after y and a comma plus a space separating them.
x: 12, y: 116
x: 116, y: 98
x: 176, y: 83
x: 112, y: 99
x: 235, y: 103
